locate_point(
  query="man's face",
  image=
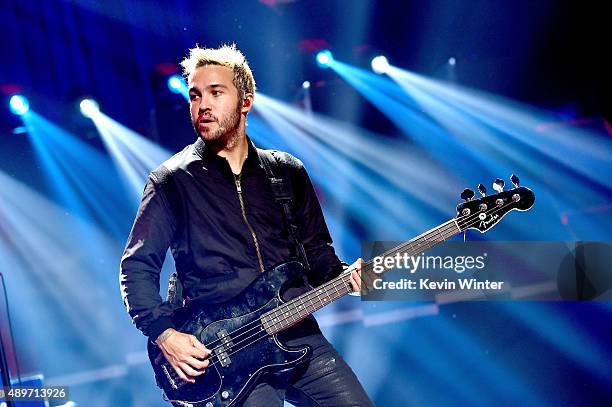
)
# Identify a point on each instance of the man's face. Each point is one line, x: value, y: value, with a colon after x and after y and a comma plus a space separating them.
x: 215, y: 106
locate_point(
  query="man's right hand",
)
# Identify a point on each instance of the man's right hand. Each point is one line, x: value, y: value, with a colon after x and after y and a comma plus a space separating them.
x: 187, y: 355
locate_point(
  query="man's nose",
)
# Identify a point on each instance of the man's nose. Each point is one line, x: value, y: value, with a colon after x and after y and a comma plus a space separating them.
x: 205, y: 105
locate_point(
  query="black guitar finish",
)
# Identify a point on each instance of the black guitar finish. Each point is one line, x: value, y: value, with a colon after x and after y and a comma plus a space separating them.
x: 225, y: 329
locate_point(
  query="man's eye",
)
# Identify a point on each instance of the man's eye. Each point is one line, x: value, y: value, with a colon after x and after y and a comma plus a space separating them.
x: 217, y: 92
x: 193, y: 97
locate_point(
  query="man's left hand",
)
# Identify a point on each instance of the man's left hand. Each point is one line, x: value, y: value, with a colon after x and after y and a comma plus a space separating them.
x: 356, y: 275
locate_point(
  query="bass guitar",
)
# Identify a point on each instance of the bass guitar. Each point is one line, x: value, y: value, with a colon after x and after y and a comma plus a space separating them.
x: 242, y: 333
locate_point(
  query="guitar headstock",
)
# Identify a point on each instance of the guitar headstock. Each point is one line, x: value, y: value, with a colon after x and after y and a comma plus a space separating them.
x: 485, y: 212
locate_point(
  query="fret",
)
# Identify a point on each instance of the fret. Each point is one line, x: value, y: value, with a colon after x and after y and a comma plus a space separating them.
x: 337, y: 291
x: 318, y: 296
x: 440, y: 233
x: 457, y: 224
x: 288, y: 314
x: 312, y: 307
x: 333, y: 292
x: 347, y: 285
x: 275, y: 317
x: 319, y: 291
x: 302, y: 313
x: 409, y: 248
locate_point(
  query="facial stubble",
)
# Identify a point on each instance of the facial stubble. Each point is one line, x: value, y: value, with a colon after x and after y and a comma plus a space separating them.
x: 227, y: 135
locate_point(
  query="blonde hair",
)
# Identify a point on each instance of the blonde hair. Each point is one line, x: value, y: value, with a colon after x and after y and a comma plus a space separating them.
x: 225, y: 55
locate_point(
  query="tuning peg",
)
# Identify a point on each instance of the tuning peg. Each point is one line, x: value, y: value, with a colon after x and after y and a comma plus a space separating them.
x: 467, y: 194
x: 498, y: 184
x: 482, y: 190
x: 515, y: 180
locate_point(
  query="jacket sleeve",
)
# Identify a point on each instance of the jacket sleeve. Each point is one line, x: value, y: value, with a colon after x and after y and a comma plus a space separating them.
x: 142, y: 260
x: 324, y: 264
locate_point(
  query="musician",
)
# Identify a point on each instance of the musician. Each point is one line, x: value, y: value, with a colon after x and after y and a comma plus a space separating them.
x: 213, y: 206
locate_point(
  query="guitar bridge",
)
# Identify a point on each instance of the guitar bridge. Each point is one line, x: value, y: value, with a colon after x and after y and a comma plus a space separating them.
x: 223, y: 349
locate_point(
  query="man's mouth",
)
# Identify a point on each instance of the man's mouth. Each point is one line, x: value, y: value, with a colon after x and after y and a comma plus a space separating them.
x: 205, y: 120
x: 204, y: 123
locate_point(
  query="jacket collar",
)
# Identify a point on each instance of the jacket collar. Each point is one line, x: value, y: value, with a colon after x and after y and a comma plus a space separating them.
x: 211, y: 160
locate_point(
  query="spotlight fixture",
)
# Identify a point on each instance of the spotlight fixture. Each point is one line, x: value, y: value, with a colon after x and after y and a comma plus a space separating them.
x: 325, y: 58
x: 380, y: 64
x: 452, y: 61
x: 19, y: 105
x: 306, y: 84
x: 89, y: 107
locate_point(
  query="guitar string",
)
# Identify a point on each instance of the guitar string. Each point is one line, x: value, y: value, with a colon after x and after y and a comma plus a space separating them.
x: 493, y: 210
x: 257, y: 323
x: 334, y: 281
x: 338, y: 282
x: 450, y: 225
x: 444, y: 228
x: 469, y: 220
x: 262, y: 328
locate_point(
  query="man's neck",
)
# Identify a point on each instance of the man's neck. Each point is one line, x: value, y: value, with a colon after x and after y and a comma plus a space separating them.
x: 236, y: 153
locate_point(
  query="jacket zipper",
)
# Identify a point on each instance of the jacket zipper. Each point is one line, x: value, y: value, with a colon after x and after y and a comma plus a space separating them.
x: 239, y: 189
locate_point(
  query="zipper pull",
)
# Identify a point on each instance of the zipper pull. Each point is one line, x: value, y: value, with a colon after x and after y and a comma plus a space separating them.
x: 237, y: 180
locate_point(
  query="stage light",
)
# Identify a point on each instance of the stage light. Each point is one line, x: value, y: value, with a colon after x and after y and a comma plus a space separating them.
x: 89, y: 107
x: 19, y: 105
x: 306, y: 84
x: 175, y: 83
x: 325, y: 58
x: 134, y: 156
x: 452, y: 61
x: 380, y: 64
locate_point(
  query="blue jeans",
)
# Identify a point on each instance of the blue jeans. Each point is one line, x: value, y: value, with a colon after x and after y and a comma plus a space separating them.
x: 326, y: 380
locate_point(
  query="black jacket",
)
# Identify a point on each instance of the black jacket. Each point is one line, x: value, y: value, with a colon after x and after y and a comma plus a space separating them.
x: 191, y: 205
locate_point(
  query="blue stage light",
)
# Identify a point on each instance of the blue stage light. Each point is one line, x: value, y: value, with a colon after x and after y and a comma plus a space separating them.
x: 175, y: 83
x: 89, y: 107
x: 325, y: 58
x: 380, y: 64
x: 19, y: 105
x: 306, y: 84
x: 452, y: 61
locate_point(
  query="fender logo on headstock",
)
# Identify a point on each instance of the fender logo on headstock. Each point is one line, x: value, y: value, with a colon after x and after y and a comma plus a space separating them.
x: 487, y: 223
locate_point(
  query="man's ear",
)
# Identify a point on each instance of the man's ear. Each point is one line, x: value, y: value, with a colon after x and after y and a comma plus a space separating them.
x: 247, y: 103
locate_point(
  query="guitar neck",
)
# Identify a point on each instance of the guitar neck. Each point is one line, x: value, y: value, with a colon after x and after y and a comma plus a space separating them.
x: 300, y: 307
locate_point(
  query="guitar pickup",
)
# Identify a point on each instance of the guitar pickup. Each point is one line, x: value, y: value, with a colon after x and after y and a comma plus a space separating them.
x: 175, y: 381
x: 224, y: 348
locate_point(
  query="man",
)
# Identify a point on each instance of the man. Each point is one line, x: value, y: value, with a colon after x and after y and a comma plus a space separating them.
x: 213, y: 205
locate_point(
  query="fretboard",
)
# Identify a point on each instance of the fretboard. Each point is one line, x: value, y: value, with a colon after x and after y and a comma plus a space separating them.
x: 299, y: 308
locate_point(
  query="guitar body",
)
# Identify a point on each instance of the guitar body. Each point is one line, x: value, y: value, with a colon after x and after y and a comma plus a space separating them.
x: 227, y: 329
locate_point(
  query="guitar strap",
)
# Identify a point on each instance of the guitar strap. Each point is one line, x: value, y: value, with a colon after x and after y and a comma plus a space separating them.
x: 277, y: 171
